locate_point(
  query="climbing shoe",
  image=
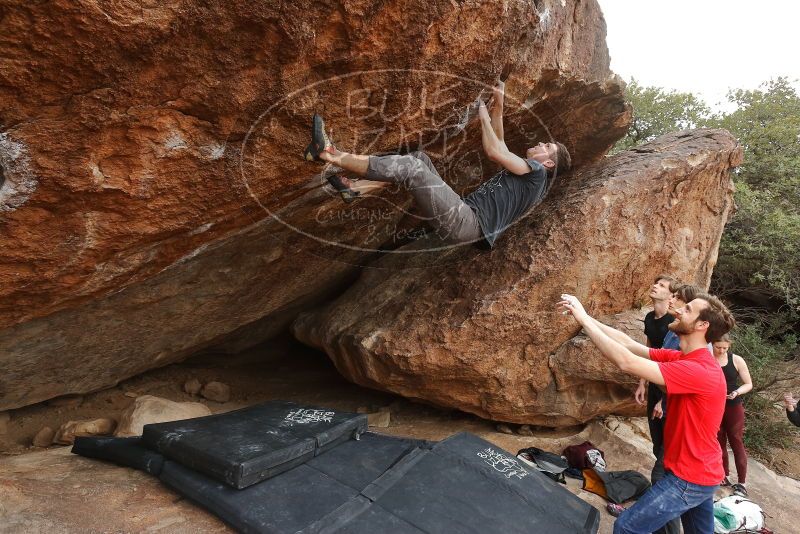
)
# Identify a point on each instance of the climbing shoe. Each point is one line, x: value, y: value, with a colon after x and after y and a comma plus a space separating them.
x: 343, y: 186
x: 319, y: 140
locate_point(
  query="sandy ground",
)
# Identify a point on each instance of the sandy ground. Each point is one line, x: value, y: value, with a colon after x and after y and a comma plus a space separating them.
x: 279, y: 371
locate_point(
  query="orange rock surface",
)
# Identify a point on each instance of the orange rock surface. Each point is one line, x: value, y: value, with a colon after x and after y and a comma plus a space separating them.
x: 154, y: 201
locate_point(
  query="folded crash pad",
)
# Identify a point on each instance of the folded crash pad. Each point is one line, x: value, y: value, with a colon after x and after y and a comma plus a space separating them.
x: 130, y: 452
x: 299, y: 498
x: 246, y: 446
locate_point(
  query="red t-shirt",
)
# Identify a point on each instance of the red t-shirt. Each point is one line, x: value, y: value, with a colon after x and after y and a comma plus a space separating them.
x: 696, y: 398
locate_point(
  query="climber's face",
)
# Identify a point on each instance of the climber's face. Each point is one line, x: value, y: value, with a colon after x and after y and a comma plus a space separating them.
x: 544, y: 153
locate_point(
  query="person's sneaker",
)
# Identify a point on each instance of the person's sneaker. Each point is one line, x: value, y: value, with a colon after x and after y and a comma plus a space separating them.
x: 615, y: 509
x: 740, y: 490
x: 319, y: 140
x: 725, y: 482
x: 344, y: 187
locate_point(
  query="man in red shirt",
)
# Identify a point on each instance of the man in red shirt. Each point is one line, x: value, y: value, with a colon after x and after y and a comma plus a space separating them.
x: 696, y: 396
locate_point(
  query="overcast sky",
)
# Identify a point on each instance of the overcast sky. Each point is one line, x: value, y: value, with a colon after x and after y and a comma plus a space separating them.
x: 703, y: 46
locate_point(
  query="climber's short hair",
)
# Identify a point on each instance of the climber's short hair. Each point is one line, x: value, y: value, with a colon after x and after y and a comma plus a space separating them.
x: 563, y: 159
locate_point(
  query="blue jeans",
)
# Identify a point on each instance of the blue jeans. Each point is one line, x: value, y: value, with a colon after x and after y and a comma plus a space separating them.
x: 669, y: 498
x: 673, y: 526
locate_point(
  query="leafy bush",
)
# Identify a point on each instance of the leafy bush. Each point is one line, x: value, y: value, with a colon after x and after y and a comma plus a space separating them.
x: 760, y: 249
x: 768, y: 350
x: 763, y: 432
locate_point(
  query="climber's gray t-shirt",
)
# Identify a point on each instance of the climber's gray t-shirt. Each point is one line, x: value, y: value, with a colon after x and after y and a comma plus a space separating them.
x: 506, y: 197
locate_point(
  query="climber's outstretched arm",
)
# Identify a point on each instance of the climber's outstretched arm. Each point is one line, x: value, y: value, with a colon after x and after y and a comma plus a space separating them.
x: 496, y: 150
x: 496, y: 112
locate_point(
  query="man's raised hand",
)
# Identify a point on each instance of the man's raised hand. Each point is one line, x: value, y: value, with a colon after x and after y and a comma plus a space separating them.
x: 571, y: 305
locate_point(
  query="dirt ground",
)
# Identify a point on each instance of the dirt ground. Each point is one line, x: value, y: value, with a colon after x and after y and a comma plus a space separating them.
x: 286, y: 370
x: 786, y: 462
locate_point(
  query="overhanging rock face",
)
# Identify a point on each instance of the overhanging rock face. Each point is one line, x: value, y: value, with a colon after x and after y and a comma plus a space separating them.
x: 153, y: 201
x: 478, y: 331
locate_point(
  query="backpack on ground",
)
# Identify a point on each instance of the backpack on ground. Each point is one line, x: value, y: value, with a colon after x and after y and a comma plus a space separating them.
x: 736, y: 514
x: 616, y: 486
x: 585, y: 456
x: 547, y: 463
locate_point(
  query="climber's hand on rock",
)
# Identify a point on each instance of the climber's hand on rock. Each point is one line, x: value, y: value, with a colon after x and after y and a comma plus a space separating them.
x: 483, y: 113
x: 498, y: 93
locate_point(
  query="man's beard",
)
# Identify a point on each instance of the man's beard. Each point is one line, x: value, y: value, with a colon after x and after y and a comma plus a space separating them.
x: 679, y: 328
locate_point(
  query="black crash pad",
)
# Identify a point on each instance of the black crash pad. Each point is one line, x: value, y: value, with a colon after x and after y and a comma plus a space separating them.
x: 385, y: 484
x: 130, y: 452
x: 246, y: 446
x: 376, y: 484
x: 303, y: 497
x: 466, y: 484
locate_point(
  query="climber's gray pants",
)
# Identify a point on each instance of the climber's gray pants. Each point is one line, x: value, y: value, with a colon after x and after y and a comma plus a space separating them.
x: 452, y: 219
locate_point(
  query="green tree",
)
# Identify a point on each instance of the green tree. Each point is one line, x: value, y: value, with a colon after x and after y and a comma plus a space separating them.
x: 657, y: 111
x: 760, y: 251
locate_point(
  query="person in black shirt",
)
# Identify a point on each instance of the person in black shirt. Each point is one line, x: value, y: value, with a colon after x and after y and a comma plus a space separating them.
x: 483, y: 215
x: 656, y: 326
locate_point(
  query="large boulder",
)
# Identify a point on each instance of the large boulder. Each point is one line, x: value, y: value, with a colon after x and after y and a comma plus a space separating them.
x: 478, y: 330
x: 152, y: 197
